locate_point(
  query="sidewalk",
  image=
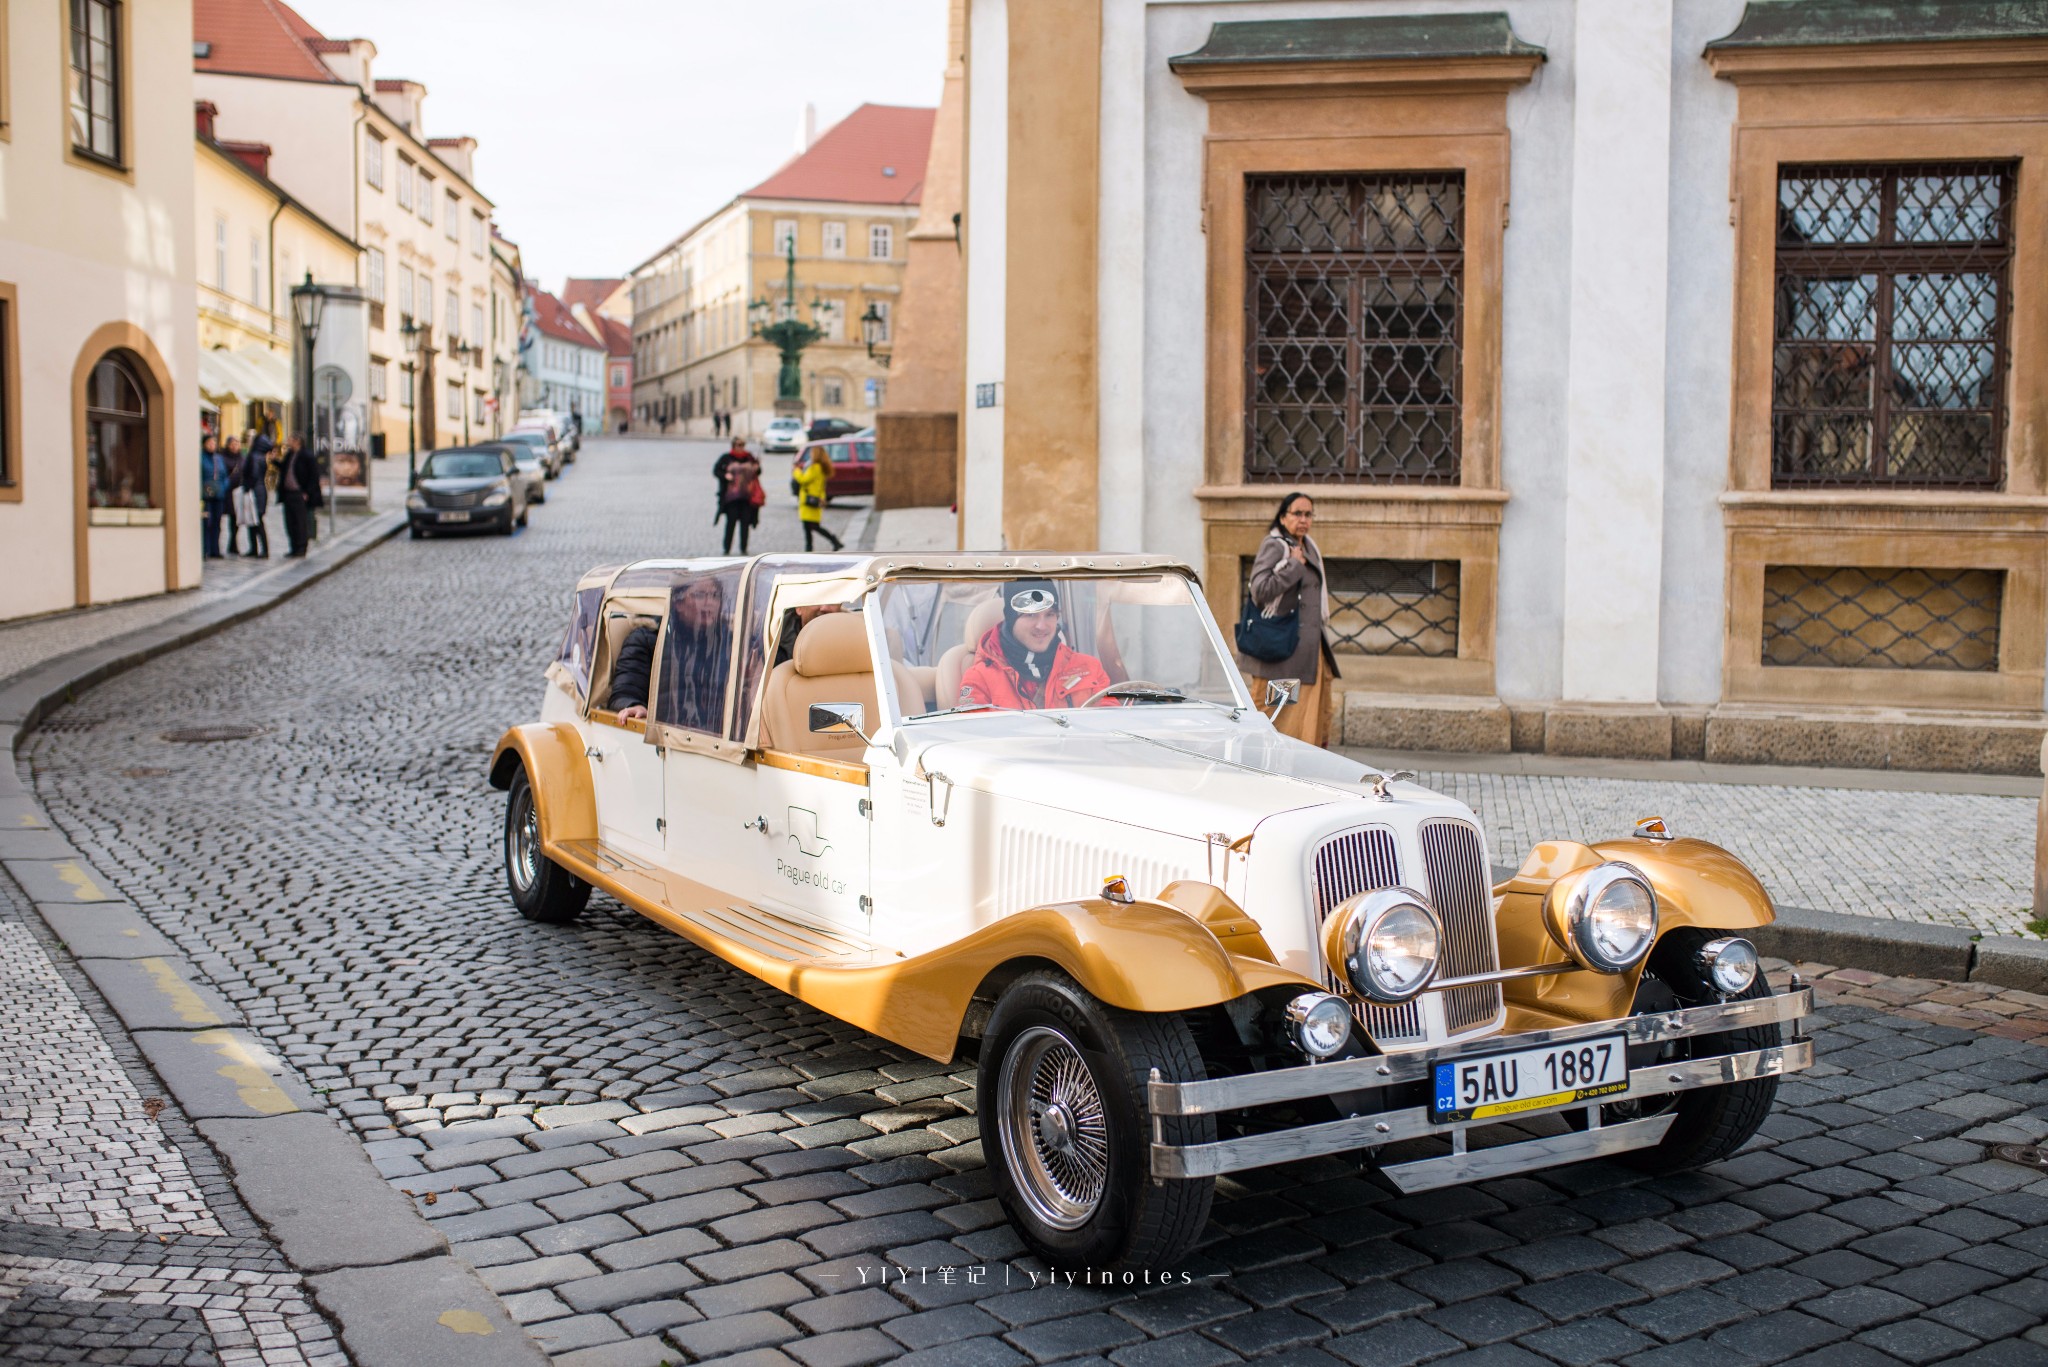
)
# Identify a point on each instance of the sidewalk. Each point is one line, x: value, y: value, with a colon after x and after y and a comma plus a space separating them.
x: 37, y: 640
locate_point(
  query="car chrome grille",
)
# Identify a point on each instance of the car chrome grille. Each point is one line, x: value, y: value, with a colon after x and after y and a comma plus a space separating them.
x: 1455, y: 862
x: 1346, y: 865
x: 469, y: 499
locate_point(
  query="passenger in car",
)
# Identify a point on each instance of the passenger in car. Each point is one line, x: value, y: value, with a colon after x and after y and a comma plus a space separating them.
x: 693, y: 668
x: 1024, y: 663
x: 631, y: 674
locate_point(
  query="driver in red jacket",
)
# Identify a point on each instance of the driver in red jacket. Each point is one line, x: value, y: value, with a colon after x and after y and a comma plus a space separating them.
x: 1023, y: 663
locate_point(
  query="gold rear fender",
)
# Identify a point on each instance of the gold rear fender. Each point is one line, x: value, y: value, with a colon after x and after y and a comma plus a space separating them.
x: 552, y: 755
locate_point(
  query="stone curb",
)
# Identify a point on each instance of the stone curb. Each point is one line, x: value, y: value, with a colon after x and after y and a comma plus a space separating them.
x: 370, y: 1260
x: 1906, y: 949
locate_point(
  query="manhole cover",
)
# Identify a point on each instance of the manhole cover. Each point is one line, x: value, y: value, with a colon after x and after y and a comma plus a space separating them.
x: 145, y: 771
x: 2026, y: 1155
x: 198, y: 735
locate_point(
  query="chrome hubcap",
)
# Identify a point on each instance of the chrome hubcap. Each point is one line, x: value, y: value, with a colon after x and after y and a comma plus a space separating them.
x: 1054, y: 1133
x: 524, y: 839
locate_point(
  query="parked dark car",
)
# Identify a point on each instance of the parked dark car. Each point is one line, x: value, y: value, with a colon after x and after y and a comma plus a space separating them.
x: 853, y: 466
x: 468, y: 488
x: 822, y: 429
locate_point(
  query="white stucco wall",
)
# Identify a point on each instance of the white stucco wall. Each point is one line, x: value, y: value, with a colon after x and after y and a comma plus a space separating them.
x: 988, y: 132
x: 308, y: 126
x: 84, y: 249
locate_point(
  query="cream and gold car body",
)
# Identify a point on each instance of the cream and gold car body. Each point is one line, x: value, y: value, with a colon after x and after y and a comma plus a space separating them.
x: 984, y: 841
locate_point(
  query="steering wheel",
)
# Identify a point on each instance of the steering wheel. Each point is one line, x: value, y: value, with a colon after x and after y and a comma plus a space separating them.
x: 1135, y: 686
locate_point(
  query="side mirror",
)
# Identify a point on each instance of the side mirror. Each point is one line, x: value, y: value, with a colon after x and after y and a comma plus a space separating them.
x: 838, y: 719
x: 1282, y: 693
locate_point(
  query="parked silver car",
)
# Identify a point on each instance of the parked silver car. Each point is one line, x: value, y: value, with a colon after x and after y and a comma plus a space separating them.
x: 468, y: 488
x: 546, y: 447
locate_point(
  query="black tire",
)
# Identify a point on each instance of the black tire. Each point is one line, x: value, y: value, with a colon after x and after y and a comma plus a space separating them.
x: 417, y: 534
x: 542, y: 889
x: 1100, y: 1209
x: 1713, y: 1122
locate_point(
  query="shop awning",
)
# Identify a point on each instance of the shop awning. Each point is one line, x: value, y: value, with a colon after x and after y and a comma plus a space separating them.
x: 246, y: 375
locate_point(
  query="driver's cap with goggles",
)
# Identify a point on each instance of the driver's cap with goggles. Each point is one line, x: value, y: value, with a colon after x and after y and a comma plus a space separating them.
x: 1030, y: 602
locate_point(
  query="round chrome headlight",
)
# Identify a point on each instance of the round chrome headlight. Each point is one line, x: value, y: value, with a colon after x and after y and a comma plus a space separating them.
x: 1610, y: 918
x: 1319, y: 1023
x: 1730, y: 964
x: 1386, y: 944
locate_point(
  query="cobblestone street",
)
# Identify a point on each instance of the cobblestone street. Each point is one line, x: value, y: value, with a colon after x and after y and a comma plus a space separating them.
x: 651, y: 1156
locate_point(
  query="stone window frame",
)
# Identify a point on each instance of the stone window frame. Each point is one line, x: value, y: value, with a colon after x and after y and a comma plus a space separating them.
x: 120, y: 165
x: 162, y: 400
x: 1950, y: 101
x: 1426, y: 113
x: 373, y: 158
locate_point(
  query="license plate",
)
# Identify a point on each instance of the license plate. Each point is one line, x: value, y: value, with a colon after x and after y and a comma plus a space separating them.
x: 455, y: 517
x: 1530, y: 1079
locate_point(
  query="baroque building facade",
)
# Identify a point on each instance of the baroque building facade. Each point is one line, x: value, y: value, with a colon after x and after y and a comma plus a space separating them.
x: 99, y: 361
x: 847, y: 204
x: 1726, y: 442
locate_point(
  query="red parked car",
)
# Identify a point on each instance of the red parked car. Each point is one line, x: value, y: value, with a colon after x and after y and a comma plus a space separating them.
x: 853, y: 465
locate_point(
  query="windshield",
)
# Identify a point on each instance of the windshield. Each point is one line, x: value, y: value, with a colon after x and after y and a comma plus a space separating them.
x: 528, y: 438
x: 461, y: 465
x: 1051, y: 643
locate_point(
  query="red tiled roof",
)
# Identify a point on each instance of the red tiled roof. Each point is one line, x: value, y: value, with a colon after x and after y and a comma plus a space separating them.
x: 618, y: 338
x: 550, y: 317
x: 875, y: 155
x: 258, y: 38
x: 384, y: 83
x: 588, y: 291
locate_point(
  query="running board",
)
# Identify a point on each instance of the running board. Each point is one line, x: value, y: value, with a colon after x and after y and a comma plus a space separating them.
x: 781, y: 937
x: 1503, y: 1160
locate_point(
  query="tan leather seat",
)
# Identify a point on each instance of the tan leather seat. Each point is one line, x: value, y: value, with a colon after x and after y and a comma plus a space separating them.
x: 953, y: 664
x: 830, y: 664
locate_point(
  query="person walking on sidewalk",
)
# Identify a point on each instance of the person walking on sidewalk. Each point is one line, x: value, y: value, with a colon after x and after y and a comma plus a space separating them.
x: 740, y: 494
x: 1287, y: 580
x: 213, y: 496
x: 298, y: 488
x: 231, y: 452
x: 810, y: 493
x: 252, y: 494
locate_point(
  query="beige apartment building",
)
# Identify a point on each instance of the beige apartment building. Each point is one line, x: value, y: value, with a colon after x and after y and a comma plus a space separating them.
x: 99, y: 401
x: 254, y: 242
x: 848, y: 203
x: 354, y: 148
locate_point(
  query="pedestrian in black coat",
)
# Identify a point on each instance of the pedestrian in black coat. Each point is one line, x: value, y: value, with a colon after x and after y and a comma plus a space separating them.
x: 298, y: 488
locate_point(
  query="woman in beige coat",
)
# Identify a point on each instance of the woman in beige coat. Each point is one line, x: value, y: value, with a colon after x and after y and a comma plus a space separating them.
x: 1287, y: 576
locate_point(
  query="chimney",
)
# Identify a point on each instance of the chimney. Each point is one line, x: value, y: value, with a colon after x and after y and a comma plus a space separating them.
x: 806, y: 128
x: 203, y: 114
x: 254, y: 155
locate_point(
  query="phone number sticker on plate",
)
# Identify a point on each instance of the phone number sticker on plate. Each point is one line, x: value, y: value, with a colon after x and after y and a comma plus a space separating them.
x: 1530, y: 1079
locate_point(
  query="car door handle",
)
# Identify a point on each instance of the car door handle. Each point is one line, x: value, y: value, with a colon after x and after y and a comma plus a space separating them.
x: 759, y: 823
x: 592, y: 752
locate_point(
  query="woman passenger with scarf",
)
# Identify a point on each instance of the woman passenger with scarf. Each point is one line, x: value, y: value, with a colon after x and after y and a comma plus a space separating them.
x: 1025, y: 663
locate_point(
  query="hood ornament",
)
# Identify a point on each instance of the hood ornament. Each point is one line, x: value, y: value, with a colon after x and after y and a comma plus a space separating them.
x: 1653, y: 828
x: 1383, y: 784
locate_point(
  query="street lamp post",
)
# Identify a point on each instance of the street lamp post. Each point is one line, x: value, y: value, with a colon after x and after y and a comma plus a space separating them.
x: 309, y: 302
x: 874, y: 330
x: 786, y: 333
x: 410, y: 332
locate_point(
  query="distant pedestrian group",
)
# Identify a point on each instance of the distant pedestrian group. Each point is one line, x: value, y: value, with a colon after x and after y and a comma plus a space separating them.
x: 236, y: 482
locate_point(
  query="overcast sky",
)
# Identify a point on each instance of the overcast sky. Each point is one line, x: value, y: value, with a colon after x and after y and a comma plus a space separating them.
x: 606, y: 127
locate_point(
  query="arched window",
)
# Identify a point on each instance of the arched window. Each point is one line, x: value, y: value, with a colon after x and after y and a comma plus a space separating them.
x: 117, y: 435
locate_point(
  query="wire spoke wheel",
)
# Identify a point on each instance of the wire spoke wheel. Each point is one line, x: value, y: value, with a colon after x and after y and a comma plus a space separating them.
x: 1055, y: 1129
x: 522, y: 840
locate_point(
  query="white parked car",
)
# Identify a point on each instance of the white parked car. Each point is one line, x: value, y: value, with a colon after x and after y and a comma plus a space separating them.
x: 1022, y: 807
x: 783, y: 435
x: 563, y: 431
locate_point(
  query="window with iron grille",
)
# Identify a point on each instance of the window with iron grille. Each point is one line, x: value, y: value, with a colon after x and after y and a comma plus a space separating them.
x: 1354, y: 294
x: 1845, y: 617
x: 1891, y: 317
x: 1390, y: 607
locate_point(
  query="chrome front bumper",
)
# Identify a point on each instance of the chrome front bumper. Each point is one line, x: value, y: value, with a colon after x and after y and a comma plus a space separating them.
x: 1215, y: 1095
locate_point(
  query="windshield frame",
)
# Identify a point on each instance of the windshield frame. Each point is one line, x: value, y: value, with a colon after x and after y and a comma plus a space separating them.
x: 1197, y: 600
x: 427, y: 471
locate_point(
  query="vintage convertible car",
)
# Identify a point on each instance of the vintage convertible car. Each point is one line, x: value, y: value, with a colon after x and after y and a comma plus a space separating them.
x: 1177, y: 943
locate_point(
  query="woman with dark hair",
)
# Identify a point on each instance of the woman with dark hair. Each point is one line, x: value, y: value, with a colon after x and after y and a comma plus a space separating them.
x: 1287, y: 578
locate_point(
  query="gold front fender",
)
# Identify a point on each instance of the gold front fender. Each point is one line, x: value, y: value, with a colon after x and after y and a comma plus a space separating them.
x: 552, y: 755
x: 1697, y: 884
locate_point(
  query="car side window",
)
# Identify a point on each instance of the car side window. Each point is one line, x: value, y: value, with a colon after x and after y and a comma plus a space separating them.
x: 754, y: 662
x: 697, y: 650
x: 579, y: 646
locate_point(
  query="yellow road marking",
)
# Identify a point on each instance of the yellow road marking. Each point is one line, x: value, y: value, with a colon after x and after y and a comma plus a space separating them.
x: 83, y: 888
x: 253, y: 1083
x: 466, y: 1322
x: 185, y: 999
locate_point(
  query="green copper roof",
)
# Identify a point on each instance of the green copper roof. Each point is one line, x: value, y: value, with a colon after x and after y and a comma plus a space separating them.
x: 1826, y: 23
x: 1389, y: 37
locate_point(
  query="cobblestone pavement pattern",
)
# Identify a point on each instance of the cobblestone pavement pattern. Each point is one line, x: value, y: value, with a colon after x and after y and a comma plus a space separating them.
x: 652, y: 1157
x: 120, y: 1241
x: 1956, y: 859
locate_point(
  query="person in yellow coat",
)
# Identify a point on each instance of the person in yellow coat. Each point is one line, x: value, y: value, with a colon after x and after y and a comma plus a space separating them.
x: 810, y: 497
